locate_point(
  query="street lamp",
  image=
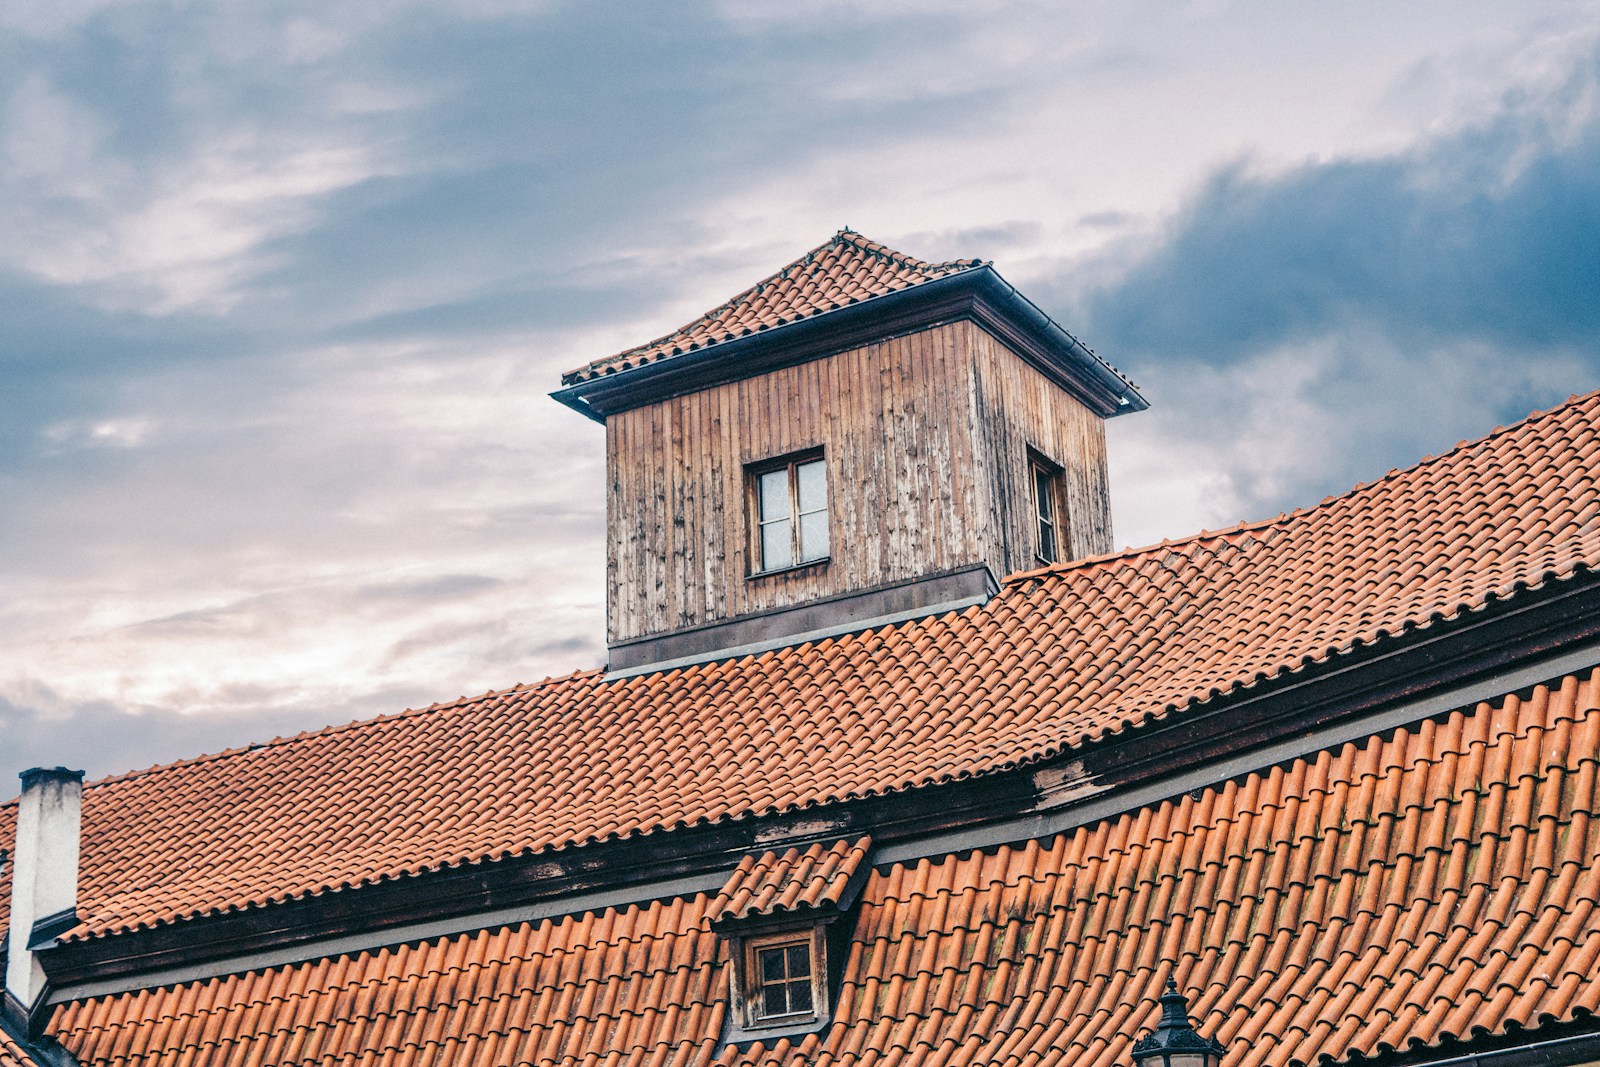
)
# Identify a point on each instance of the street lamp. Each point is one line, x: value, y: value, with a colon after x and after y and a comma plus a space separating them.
x: 1174, y: 1043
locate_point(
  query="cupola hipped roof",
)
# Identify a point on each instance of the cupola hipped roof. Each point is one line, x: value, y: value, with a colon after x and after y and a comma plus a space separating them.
x: 847, y: 292
x: 844, y: 270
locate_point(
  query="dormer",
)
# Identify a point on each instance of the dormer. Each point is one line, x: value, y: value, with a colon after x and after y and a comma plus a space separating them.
x: 860, y: 438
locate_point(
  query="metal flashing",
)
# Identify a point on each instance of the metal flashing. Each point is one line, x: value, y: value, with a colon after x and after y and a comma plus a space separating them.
x: 853, y: 612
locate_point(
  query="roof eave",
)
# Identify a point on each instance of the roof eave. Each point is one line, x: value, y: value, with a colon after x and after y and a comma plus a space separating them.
x: 978, y: 293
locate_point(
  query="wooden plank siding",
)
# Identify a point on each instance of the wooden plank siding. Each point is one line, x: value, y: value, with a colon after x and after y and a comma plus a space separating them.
x: 925, y: 438
x: 1016, y: 408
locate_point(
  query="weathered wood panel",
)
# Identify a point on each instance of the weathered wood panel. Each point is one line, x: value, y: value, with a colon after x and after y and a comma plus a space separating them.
x: 1014, y: 408
x: 925, y: 438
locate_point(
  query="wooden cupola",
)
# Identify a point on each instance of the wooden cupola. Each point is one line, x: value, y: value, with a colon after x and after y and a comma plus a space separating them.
x: 860, y: 438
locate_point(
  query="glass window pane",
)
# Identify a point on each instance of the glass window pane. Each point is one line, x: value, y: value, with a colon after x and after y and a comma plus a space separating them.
x: 773, y: 1001
x: 777, y: 546
x: 1042, y: 495
x: 799, y: 996
x: 772, y: 965
x: 813, y: 536
x: 774, y: 492
x: 1047, y: 542
x: 813, y: 480
x: 799, y: 961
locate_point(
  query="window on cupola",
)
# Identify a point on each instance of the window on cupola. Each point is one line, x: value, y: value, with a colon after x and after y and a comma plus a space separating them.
x: 1046, y: 480
x: 790, y: 505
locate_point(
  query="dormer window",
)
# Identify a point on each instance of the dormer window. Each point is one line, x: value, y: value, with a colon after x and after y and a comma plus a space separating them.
x: 780, y: 915
x: 790, y: 509
x: 1046, y: 479
x: 783, y: 973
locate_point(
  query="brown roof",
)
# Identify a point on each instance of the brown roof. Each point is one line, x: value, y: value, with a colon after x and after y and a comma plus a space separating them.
x: 1058, y: 658
x: 1433, y: 883
x: 843, y: 271
x: 794, y: 880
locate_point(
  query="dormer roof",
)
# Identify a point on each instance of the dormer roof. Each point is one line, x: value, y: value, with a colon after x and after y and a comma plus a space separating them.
x: 820, y: 878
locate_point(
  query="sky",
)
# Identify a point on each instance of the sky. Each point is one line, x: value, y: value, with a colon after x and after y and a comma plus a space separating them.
x: 283, y: 288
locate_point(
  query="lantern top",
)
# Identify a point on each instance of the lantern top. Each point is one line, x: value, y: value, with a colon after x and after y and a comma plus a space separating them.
x: 1174, y: 1033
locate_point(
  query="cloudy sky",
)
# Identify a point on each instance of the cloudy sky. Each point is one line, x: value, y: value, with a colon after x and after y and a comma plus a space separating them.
x: 283, y: 287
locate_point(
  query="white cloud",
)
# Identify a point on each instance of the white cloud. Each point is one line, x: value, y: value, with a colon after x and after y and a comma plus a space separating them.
x: 100, y: 433
x: 258, y: 514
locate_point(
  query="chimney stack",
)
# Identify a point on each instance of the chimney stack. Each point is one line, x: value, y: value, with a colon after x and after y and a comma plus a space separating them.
x: 44, y: 878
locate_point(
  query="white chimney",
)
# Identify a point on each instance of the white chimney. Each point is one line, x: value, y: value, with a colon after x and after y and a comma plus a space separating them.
x: 44, y: 876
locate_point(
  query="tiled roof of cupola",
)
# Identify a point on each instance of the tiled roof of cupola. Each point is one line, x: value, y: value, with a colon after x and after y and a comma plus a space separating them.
x: 845, y: 270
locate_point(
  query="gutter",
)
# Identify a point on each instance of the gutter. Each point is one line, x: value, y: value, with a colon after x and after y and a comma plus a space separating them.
x: 1559, y: 1052
x: 852, y: 326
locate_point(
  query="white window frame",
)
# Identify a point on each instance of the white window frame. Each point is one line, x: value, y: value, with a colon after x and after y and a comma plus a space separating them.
x: 1044, y: 492
x: 791, y: 464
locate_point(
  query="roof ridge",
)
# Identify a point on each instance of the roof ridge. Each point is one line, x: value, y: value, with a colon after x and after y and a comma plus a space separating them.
x: 1244, y: 526
x: 333, y: 728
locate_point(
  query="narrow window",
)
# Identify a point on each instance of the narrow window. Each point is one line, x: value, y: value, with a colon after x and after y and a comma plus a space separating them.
x: 791, y: 512
x: 1046, y: 477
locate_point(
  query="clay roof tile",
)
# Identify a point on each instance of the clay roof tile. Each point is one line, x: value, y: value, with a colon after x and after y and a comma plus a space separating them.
x: 844, y: 270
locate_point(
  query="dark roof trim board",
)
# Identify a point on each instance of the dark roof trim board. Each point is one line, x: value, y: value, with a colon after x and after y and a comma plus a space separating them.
x: 1060, y: 804
x: 979, y: 294
x: 1558, y: 1052
x: 762, y: 631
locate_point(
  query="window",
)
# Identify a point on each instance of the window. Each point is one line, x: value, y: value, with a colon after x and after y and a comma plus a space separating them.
x: 1046, y: 478
x: 784, y: 975
x: 791, y: 512
x: 783, y: 979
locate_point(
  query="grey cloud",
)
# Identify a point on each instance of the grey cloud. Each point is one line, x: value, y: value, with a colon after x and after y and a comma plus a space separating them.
x: 1356, y: 314
x: 549, y: 138
x: 1434, y: 244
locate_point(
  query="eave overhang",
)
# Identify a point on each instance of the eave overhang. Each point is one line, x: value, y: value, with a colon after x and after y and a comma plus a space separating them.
x: 980, y: 295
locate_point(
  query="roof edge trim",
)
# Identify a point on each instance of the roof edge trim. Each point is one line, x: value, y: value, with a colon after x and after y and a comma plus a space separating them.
x: 977, y: 293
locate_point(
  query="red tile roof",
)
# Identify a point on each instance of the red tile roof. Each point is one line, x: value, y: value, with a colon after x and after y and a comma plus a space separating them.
x: 845, y: 270
x: 13, y: 1054
x: 1058, y: 658
x: 795, y: 880
x: 1437, y: 882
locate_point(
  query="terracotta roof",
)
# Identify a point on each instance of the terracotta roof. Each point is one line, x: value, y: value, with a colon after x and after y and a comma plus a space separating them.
x: 845, y: 270
x: 13, y: 1054
x: 1058, y: 658
x: 796, y: 880
x: 1434, y: 883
